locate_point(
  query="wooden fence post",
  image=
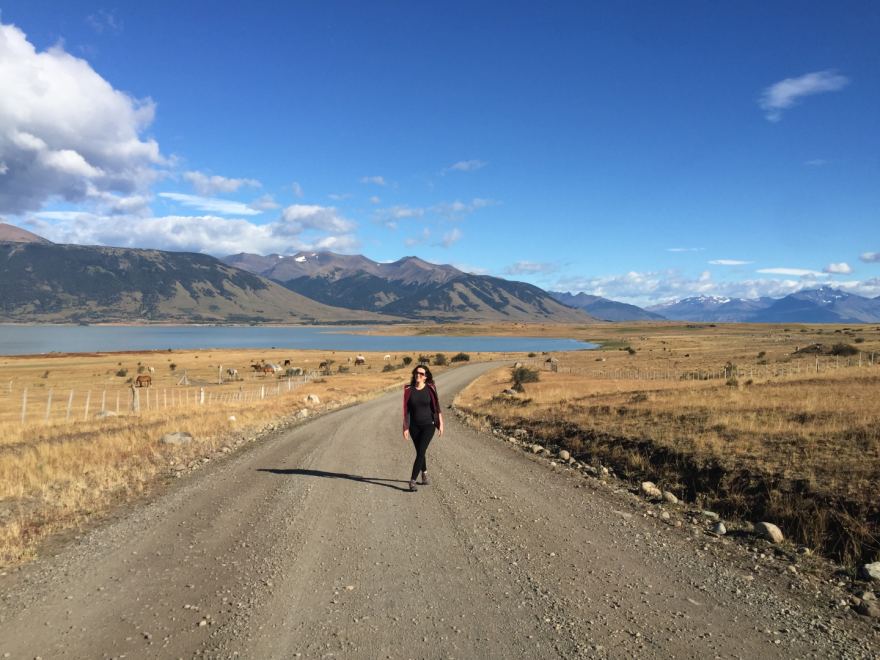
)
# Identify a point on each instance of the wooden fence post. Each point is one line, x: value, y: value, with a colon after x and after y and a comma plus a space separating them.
x: 69, y: 406
x: 88, y: 401
x: 104, y: 401
x: 135, y: 400
x: 48, y: 406
x: 24, y: 405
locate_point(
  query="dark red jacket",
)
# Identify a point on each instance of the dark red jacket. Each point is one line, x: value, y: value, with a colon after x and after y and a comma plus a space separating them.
x: 435, y: 404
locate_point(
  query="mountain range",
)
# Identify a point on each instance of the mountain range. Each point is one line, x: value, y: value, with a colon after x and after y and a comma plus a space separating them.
x: 822, y: 305
x: 410, y: 288
x: 605, y: 309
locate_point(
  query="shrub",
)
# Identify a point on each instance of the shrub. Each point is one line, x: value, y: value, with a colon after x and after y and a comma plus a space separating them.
x: 172, y: 366
x: 630, y: 350
x: 388, y: 367
x: 406, y: 360
x: 859, y: 340
x: 440, y: 359
x: 141, y: 369
x: 122, y: 373
x: 461, y: 357
x: 531, y: 354
x: 521, y: 375
x: 762, y: 354
x: 843, y: 350
x: 424, y: 359
x: 342, y: 369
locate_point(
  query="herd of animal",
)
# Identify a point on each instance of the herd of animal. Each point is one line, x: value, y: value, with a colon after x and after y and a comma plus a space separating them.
x: 262, y: 368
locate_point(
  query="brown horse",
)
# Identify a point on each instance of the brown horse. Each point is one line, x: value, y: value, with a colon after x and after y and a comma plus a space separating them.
x: 143, y: 381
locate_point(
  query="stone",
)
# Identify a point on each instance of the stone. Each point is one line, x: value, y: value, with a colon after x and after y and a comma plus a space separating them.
x: 770, y: 532
x: 869, y: 608
x: 649, y: 489
x: 178, y: 438
x: 719, y: 528
x: 868, y: 595
x: 302, y: 414
x: 564, y: 455
x: 509, y: 392
x: 571, y: 460
x: 711, y: 515
x: 537, y: 449
x: 312, y: 398
x: 665, y: 515
x: 669, y: 497
x: 231, y: 418
x: 871, y: 571
x: 520, y: 433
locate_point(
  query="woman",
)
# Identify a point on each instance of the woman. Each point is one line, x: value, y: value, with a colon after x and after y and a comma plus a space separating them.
x: 421, y: 415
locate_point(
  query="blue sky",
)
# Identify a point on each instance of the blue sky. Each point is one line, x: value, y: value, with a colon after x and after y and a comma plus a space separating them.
x: 637, y: 150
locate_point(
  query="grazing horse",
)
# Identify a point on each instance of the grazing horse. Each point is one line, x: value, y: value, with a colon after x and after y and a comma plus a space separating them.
x: 287, y: 363
x: 143, y: 381
x: 267, y: 369
x: 257, y: 367
x: 232, y: 373
x: 359, y: 360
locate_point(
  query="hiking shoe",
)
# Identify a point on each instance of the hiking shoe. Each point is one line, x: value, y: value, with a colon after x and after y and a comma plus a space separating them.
x: 425, y: 480
x: 412, y: 486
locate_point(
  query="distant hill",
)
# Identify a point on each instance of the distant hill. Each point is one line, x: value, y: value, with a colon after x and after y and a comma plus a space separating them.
x: 12, y: 234
x: 409, y: 287
x: 605, y: 309
x: 823, y: 305
x: 42, y: 281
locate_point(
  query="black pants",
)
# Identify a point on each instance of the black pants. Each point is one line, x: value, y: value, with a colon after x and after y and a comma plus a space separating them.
x: 421, y: 437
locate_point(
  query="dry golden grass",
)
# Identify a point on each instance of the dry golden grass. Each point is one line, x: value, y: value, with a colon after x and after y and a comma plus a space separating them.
x: 58, y: 475
x: 802, y: 449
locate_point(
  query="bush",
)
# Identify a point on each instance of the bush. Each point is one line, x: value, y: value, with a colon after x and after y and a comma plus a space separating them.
x: 521, y: 375
x: 843, y: 350
x: 531, y: 355
x: 629, y: 349
x: 461, y: 357
x: 388, y: 367
x: 762, y: 354
x: 172, y: 366
x: 859, y: 340
x: 407, y: 360
x: 141, y: 369
x: 342, y: 369
x: 122, y: 373
x: 440, y: 359
x: 424, y: 359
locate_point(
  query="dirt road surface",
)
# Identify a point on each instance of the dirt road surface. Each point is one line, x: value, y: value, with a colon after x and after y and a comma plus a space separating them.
x: 308, y: 545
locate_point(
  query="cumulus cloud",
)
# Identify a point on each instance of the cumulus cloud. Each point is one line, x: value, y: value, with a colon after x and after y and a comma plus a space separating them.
x: 684, y: 249
x: 648, y: 288
x: 303, y: 229
x: 417, y: 240
x: 458, y: 208
x: 530, y: 268
x: 105, y: 21
x: 870, y: 257
x: 729, y: 262
x: 786, y: 93
x: 65, y: 132
x: 375, y: 199
x: 207, y: 185
x: 841, y: 268
x: 465, y: 166
x: 394, y: 213
x: 264, y: 203
x: 297, y: 190
x: 338, y: 197
x: 376, y: 180
x: 796, y: 272
x: 210, y: 204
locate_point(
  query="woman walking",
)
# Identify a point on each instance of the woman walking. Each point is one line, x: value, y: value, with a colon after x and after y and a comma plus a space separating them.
x: 421, y: 415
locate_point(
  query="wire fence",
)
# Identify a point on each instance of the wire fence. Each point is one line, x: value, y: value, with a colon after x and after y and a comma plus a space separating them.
x: 821, y: 365
x: 32, y: 405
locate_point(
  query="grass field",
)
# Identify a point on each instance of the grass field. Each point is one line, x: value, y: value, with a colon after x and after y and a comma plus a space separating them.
x: 67, y: 470
x: 769, y: 438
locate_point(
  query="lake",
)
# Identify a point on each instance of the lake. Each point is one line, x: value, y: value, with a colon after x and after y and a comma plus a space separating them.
x: 35, y: 339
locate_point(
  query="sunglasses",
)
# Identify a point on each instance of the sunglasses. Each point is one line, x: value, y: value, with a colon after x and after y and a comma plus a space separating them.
x: 421, y: 373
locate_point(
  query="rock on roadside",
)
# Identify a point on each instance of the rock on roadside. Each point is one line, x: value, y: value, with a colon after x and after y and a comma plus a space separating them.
x: 770, y: 532
x: 178, y: 438
x: 871, y: 571
x: 649, y: 489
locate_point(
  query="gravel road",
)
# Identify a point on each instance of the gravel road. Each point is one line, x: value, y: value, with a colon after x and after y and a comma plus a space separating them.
x: 307, y: 544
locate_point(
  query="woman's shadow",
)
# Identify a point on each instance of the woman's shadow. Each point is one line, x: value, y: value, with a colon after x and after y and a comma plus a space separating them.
x: 376, y: 481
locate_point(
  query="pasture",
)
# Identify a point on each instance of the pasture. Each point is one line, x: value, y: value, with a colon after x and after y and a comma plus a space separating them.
x: 77, y: 438
x: 754, y: 422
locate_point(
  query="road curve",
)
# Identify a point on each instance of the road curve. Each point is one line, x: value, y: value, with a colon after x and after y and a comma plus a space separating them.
x: 308, y: 545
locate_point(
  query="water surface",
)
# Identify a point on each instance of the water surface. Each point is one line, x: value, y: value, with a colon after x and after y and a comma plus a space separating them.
x: 35, y: 339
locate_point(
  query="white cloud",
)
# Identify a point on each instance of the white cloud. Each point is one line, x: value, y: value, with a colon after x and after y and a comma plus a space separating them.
x: 207, y: 185
x: 685, y: 249
x: 299, y: 217
x: 466, y: 166
x: 795, y: 272
x: 65, y: 132
x: 458, y: 208
x: 105, y: 21
x: 400, y: 213
x: 651, y: 288
x: 4, y: 168
x: 473, y: 270
x: 376, y: 180
x: 530, y: 268
x: 870, y: 257
x: 375, y: 199
x: 784, y: 94
x: 729, y: 262
x: 210, y: 204
x: 841, y: 268
x: 297, y: 189
x: 264, y: 203
x: 338, y: 197
x: 451, y: 237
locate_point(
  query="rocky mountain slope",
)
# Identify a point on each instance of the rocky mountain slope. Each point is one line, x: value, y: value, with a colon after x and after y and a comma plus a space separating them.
x: 409, y: 287
x: 605, y: 309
